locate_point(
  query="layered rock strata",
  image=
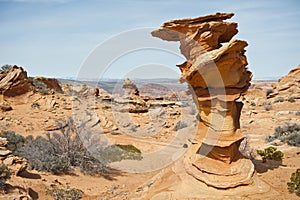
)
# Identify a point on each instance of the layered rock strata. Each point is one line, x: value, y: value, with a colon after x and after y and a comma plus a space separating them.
x: 217, y: 74
x: 15, y: 164
x: 15, y: 82
x: 288, y: 86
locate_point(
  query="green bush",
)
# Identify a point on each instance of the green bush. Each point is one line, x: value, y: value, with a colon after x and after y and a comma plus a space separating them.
x: 289, y: 134
x: 269, y: 91
x: 4, y: 175
x: 65, y: 193
x: 129, y: 148
x: 279, y: 99
x: 117, y: 152
x: 297, y: 113
x: 270, y: 153
x: 291, y: 99
x: 294, y: 184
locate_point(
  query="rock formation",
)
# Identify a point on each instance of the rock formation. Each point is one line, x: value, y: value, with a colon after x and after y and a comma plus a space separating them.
x: 130, y: 89
x: 15, y: 82
x: 288, y: 86
x: 217, y: 76
x: 131, y: 101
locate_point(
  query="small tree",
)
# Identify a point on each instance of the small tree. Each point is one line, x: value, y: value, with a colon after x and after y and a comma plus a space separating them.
x: 5, y: 68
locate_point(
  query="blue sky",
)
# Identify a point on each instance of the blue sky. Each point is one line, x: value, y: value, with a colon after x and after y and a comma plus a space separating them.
x: 55, y: 37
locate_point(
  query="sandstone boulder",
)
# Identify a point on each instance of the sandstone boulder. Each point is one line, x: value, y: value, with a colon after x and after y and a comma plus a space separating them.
x: 12, y: 77
x: 14, y: 164
x: 15, y: 82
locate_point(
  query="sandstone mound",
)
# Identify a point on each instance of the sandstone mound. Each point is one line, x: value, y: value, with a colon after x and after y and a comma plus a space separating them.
x: 50, y: 83
x: 288, y: 86
x: 15, y: 82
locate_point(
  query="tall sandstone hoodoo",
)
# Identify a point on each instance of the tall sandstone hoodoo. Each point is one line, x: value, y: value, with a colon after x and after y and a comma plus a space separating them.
x: 217, y: 74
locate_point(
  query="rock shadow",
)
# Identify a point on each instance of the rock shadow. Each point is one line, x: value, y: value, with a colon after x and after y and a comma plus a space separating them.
x: 262, y: 167
x: 29, y: 175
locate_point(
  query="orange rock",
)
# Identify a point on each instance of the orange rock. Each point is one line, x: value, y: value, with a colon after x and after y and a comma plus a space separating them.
x: 288, y: 86
x: 51, y: 83
x: 216, y: 70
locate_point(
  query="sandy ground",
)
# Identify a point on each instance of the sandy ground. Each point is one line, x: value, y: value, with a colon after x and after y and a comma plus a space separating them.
x: 256, y: 123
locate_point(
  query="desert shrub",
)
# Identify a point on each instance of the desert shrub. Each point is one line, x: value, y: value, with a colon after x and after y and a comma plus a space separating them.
x: 65, y: 193
x: 270, y: 153
x: 118, y: 152
x: 291, y: 99
x: 5, y: 68
x: 279, y: 99
x: 269, y: 91
x: 294, y: 184
x: 289, y: 134
x: 180, y: 125
x: 15, y: 141
x: 297, y: 113
x: 35, y: 105
x: 43, y: 156
x: 268, y: 107
x: 40, y: 86
x: 60, y: 152
x: 266, y: 103
x: 4, y: 175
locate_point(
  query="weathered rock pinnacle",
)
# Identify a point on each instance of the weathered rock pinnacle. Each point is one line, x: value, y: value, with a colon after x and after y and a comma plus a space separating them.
x: 216, y: 71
